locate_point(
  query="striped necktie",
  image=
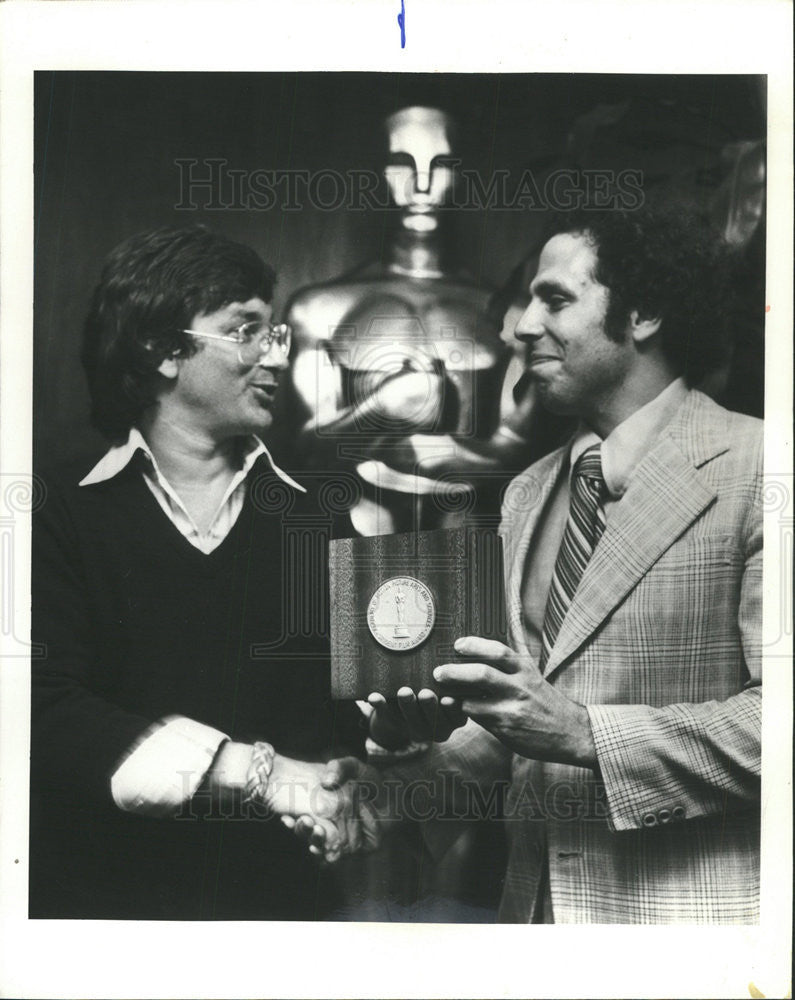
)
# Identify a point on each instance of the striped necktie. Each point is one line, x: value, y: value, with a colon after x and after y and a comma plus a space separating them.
x: 584, y: 528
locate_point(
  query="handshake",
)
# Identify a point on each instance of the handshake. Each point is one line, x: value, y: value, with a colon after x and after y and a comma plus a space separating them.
x: 499, y: 689
x: 336, y: 811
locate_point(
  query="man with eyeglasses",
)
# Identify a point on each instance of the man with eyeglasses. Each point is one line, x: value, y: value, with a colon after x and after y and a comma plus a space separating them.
x: 177, y: 711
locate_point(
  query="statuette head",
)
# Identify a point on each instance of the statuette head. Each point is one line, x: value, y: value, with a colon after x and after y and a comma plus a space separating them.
x: 420, y: 167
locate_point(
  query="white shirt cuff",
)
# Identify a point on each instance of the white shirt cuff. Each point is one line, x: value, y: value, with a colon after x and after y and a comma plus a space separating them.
x: 166, y: 767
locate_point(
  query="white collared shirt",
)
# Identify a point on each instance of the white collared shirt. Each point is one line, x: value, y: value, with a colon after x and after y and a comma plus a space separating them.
x: 168, y: 763
x: 625, y: 446
x: 119, y: 457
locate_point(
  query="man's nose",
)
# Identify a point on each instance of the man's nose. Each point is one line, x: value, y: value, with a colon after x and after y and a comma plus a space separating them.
x: 530, y: 324
x: 274, y: 357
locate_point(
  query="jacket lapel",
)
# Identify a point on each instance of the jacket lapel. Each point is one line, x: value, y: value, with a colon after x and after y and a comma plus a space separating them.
x: 666, y: 494
x: 525, y: 501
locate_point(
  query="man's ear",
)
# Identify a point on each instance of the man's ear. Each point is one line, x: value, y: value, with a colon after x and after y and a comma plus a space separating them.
x: 169, y: 367
x: 642, y: 328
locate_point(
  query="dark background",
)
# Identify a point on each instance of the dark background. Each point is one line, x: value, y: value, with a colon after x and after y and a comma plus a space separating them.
x: 106, y: 146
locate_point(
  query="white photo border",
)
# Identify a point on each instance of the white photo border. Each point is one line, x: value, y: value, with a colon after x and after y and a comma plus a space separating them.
x: 141, y: 959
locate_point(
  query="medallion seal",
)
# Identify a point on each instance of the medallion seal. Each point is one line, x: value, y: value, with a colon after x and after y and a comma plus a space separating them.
x: 401, y: 613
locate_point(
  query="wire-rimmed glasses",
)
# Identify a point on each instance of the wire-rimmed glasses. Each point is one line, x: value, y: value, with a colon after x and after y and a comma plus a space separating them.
x: 254, y: 339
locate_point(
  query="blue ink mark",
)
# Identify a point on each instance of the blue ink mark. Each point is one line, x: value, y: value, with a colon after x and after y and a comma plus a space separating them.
x: 401, y: 19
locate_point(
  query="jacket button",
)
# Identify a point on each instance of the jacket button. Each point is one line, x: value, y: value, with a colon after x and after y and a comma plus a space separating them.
x: 678, y: 812
x: 649, y: 820
x: 664, y: 815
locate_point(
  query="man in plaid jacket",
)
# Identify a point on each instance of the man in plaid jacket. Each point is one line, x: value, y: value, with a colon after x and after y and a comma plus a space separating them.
x: 628, y: 728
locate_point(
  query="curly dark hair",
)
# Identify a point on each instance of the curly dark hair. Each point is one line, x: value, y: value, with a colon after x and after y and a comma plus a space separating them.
x: 663, y: 262
x: 151, y: 287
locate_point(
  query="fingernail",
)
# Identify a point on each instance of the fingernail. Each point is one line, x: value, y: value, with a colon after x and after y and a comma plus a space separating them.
x: 438, y: 673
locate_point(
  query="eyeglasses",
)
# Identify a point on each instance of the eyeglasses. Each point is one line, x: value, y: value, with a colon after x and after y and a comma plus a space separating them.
x: 254, y: 340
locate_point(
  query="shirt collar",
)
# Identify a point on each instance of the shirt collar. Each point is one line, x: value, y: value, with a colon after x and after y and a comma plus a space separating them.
x: 119, y: 457
x: 627, y: 444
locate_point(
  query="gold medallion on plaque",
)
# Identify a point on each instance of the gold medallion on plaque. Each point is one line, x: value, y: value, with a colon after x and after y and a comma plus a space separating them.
x: 401, y: 613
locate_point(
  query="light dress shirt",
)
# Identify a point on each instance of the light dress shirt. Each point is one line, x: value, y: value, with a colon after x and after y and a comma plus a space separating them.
x: 622, y: 451
x: 169, y: 762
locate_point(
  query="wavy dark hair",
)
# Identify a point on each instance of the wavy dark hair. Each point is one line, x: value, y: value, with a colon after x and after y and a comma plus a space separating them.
x: 663, y: 262
x: 151, y: 287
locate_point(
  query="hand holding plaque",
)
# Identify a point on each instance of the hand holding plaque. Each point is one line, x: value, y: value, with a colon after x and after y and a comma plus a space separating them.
x: 412, y: 718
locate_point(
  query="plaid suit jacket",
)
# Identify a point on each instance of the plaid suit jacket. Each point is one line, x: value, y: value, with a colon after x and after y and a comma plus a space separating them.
x: 662, y: 645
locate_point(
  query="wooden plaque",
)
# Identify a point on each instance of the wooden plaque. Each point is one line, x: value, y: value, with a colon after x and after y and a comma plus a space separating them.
x: 398, y: 602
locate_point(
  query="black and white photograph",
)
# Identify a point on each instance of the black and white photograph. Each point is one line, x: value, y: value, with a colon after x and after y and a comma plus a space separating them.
x: 405, y: 464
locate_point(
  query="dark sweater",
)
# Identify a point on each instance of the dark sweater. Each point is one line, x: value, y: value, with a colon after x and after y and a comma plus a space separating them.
x: 138, y: 624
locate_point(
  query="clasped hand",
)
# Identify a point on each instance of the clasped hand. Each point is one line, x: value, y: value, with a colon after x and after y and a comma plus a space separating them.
x: 499, y: 689
x: 318, y: 802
